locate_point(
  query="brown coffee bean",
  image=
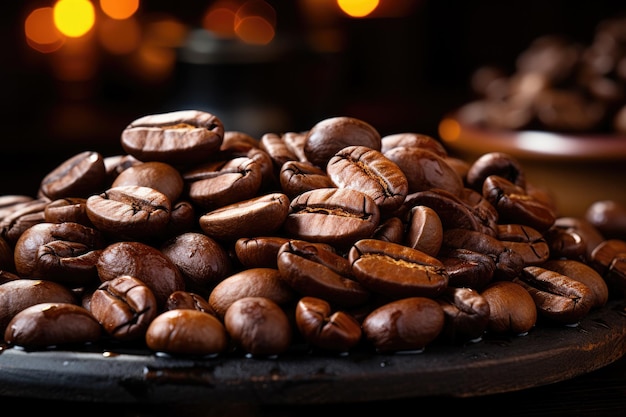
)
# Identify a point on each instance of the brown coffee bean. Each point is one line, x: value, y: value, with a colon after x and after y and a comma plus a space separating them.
x: 591, y: 236
x: 425, y: 170
x: 325, y: 329
x: 260, y: 251
x: 390, y: 230
x: 501, y: 164
x: 609, y: 217
x: 312, y: 269
x: 130, y: 212
x: 584, y: 273
x: 160, y: 176
x: 143, y: 262
x: 512, y: 310
x: 415, y: 140
x: 202, y: 261
x: 424, y: 231
x: 336, y: 216
x: 396, y: 271
x: 407, y: 324
x: 62, y: 252
x: 81, y: 175
x: 252, y: 282
x: 188, y: 300
x: 466, y: 314
x: 329, y: 136
x: 52, y: 324
x: 609, y: 259
x: 369, y: 171
x: 258, y: 326
x: 277, y: 149
x: 258, y: 216
x: 124, y: 306
x: 28, y: 214
x: 70, y: 209
x: 558, y: 297
x: 526, y: 241
x: 180, y: 138
x: 186, y: 332
x: 467, y: 268
x: 297, y: 177
x: 17, y: 294
x: 565, y: 243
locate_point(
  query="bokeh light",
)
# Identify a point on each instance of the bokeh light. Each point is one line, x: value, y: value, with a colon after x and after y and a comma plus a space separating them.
x: 41, y: 33
x: 449, y: 130
x: 219, y: 19
x: 357, y: 8
x: 119, y: 37
x: 119, y: 9
x: 74, y: 18
x: 255, y: 21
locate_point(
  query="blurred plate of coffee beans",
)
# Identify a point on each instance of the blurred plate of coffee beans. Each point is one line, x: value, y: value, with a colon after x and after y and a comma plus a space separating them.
x: 562, y: 112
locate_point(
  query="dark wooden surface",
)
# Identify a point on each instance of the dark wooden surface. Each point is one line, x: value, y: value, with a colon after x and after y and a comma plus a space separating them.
x: 556, y: 370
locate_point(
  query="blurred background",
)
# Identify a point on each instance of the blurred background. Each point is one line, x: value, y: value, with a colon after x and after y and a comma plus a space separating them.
x: 76, y: 72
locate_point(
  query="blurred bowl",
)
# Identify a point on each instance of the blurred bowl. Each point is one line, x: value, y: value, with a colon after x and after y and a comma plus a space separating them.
x: 576, y: 169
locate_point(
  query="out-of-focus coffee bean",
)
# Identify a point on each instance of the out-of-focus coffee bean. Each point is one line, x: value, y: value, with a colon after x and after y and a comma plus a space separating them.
x: 161, y: 176
x: 408, y: 324
x: 512, y: 310
x: 414, y: 140
x: 502, y: 164
x: 187, y: 332
x: 124, y: 306
x: 609, y: 259
x: 584, y: 273
x: 258, y: 326
x: 590, y: 234
x: 14, y: 224
x: 52, y: 324
x: 324, y: 328
x: 609, y: 217
x: 397, y: 271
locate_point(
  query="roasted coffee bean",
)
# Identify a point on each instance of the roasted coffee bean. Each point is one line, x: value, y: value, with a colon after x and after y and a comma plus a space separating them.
x: 188, y: 300
x: 180, y: 138
x: 558, y: 297
x: 425, y: 170
x: 397, y: 271
x: 413, y: 140
x: 130, y: 212
x: 81, y: 175
x: 312, y: 269
x: 467, y: 268
x: 7, y: 260
x: 584, y: 273
x: 514, y: 205
x: 336, y: 216
x: 202, y: 261
x: 251, y: 282
x: 160, y: 176
x: 329, y: 136
x: 295, y: 142
x: 297, y: 177
x: 258, y: 326
x: 182, y: 219
x: 17, y: 294
x: 115, y: 164
x: 324, y: 328
x: 237, y: 143
x: 62, y: 252
x: 526, y: 241
x: 609, y: 259
x: 52, y: 324
x: 390, y: 230
x: 369, y: 171
x: 565, y: 243
x: 591, y: 236
x: 71, y: 209
x: 258, y: 216
x: 508, y: 262
x: 609, y: 217
x: 512, y: 310
x: 260, y: 251
x: 408, y: 324
x: 124, y: 306
x: 13, y: 225
x: 501, y: 164
x: 143, y: 262
x: 466, y: 314
x: 187, y: 332
x: 452, y: 212
x: 277, y: 149
x: 424, y: 231
x: 12, y: 202
x: 6, y: 276
x: 484, y: 211
x: 216, y: 185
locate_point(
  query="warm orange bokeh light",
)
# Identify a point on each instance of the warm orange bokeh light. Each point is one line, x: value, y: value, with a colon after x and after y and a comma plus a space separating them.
x: 219, y: 19
x: 255, y: 22
x: 449, y: 130
x: 119, y: 9
x: 357, y: 8
x: 164, y: 31
x: 74, y: 18
x: 119, y: 36
x: 41, y: 33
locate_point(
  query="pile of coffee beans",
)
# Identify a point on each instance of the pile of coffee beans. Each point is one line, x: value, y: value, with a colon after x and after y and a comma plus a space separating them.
x: 559, y: 85
x: 200, y: 241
